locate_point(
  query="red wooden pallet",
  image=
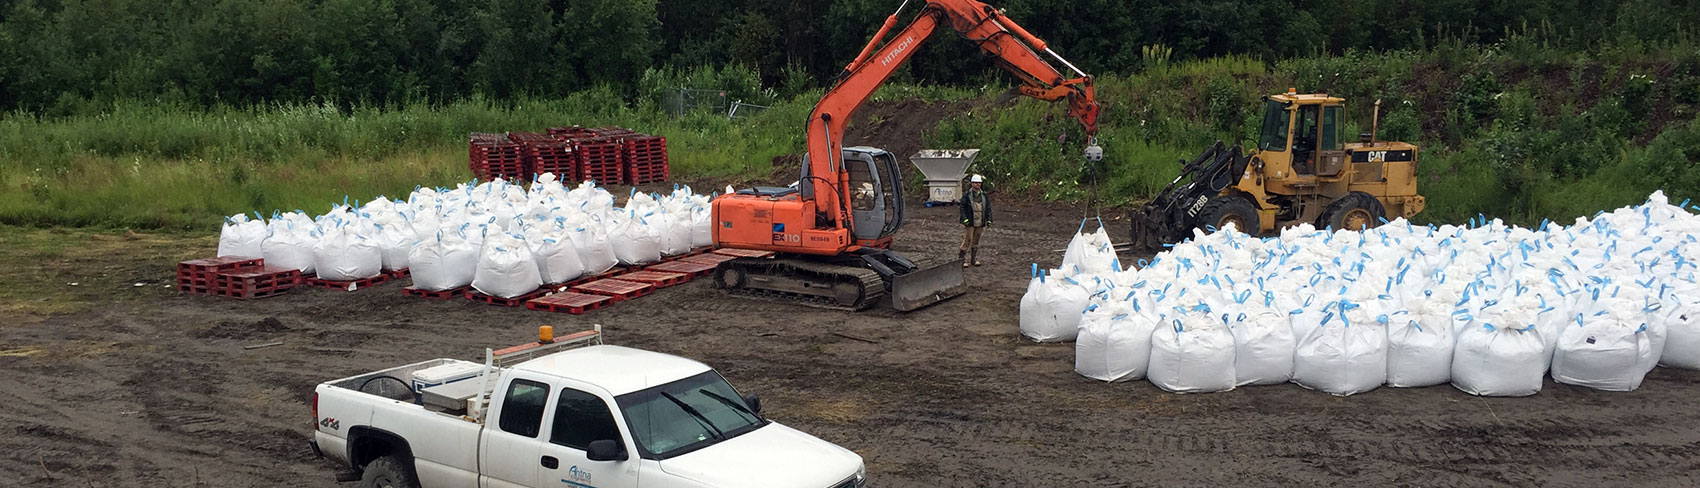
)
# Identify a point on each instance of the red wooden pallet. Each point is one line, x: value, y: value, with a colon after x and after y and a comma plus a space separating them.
x: 658, y: 279
x: 214, y: 265
x: 744, y: 253
x: 569, y: 302
x: 614, y: 288
x: 343, y: 285
x: 259, y: 282
x: 399, y: 274
x: 476, y: 296
x: 433, y: 294
x: 694, y: 270
x: 486, y: 137
x: 201, y: 275
x: 712, y: 258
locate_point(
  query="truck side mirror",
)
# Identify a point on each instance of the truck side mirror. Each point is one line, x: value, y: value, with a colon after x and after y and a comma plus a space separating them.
x: 605, y: 450
x: 754, y: 402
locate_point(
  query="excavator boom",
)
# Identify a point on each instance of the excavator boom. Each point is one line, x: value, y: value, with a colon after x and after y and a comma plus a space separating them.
x: 834, y: 229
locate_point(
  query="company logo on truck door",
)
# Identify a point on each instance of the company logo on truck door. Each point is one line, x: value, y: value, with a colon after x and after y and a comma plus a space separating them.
x: 901, y: 46
x: 578, y: 478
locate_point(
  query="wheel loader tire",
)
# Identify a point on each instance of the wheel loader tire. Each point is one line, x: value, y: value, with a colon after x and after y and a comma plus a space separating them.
x: 1229, y: 208
x: 389, y: 472
x: 1356, y: 211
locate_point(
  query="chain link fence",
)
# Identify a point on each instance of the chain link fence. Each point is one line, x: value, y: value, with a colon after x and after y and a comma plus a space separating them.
x: 684, y: 100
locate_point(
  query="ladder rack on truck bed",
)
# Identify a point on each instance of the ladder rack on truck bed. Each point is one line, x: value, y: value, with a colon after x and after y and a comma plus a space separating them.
x: 496, y: 359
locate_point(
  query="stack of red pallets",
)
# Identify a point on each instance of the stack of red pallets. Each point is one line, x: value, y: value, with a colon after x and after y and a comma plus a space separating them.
x: 492, y: 156
x: 646, y: 159
x: 235, y: 277
x: 544, y: 154
x: 600, y: 159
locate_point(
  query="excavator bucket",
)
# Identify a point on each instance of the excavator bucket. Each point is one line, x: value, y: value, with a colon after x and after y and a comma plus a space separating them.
x: 926, y: 286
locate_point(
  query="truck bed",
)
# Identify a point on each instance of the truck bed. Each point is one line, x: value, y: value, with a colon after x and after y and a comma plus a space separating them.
x: 443, y: 441
x: 397, y: 384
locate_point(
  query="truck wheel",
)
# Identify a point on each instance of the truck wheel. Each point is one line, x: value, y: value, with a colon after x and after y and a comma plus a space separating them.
x: 1355, y: 211
x: 389, y: 472
x: 1226, y: 209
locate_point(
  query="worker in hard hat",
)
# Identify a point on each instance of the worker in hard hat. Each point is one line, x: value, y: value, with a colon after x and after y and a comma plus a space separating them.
x: 976, y: 209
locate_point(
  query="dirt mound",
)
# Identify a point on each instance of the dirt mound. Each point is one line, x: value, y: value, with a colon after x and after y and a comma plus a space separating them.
x: 231, y: 329
x: 901, y: 126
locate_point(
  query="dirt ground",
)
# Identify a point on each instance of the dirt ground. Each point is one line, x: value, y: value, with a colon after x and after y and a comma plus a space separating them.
x: 150, y: 388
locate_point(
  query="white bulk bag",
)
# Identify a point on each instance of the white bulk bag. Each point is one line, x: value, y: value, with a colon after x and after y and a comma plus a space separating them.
x: 702, y: 234
x: 1114, y: 344
x: 635, y: 241
x: 442, y: 263
x: 345, y: 255
x: 1341, y: 356
x: 557, y: 258
x: 1090, y: 253
x: 1604, y: 352
x: 290, y: 246
x: 242, y: 237
x: 595, y: 252
x: 1263, y: 348
x: 1193, y: 354
x: 675, y: 232
x: 1498, y: 361
x: 1053, y: 312
x: 506, y: 268
x: 1418, y: 353
x: 1682, y: 337
x: 394, y: 240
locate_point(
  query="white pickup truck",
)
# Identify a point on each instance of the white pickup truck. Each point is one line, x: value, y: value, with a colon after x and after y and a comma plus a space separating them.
x: 575, y: 413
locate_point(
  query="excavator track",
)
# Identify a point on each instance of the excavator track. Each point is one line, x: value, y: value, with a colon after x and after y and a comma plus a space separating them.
x: 803, y: 282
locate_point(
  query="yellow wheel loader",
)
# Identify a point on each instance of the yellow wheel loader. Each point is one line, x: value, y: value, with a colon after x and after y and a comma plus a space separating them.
x: 1301, y: 170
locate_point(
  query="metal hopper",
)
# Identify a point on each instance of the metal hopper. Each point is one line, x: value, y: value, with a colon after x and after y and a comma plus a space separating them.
x: 943, y: 170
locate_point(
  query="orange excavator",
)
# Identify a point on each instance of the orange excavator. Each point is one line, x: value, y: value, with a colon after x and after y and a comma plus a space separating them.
x: 832, y: 230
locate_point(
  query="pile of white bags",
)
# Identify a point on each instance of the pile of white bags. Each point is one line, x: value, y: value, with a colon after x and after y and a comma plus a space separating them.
x: 443, y: 236
x: 1491, y: 309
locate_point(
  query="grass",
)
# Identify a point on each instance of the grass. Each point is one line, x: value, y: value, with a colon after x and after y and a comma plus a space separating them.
x: 152, y: 166
x: 1500, y: 135
x: 63, y: 270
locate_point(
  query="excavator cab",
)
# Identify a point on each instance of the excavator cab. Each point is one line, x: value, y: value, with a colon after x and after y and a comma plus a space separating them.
x: 876, y: 194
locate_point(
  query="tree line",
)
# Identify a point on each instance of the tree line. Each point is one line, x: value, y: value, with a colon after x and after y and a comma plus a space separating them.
x: 62, y: 57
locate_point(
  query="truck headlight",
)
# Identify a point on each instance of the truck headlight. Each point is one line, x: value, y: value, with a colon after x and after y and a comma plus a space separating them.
x: 861, y: 476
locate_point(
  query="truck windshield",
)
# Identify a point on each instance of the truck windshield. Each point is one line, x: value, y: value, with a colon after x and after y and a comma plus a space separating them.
x: 1274, y: 134
x: 686, y: 415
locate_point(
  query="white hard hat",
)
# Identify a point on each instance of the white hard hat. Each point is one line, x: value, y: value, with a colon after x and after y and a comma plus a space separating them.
x: 976, y: 179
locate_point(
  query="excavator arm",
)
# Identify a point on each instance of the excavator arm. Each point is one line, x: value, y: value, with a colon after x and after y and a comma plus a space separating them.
x: 1011, y: 46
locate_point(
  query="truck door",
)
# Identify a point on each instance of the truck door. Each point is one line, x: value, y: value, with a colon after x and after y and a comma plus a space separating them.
x: 581, y: 418
x: 508, y: 450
